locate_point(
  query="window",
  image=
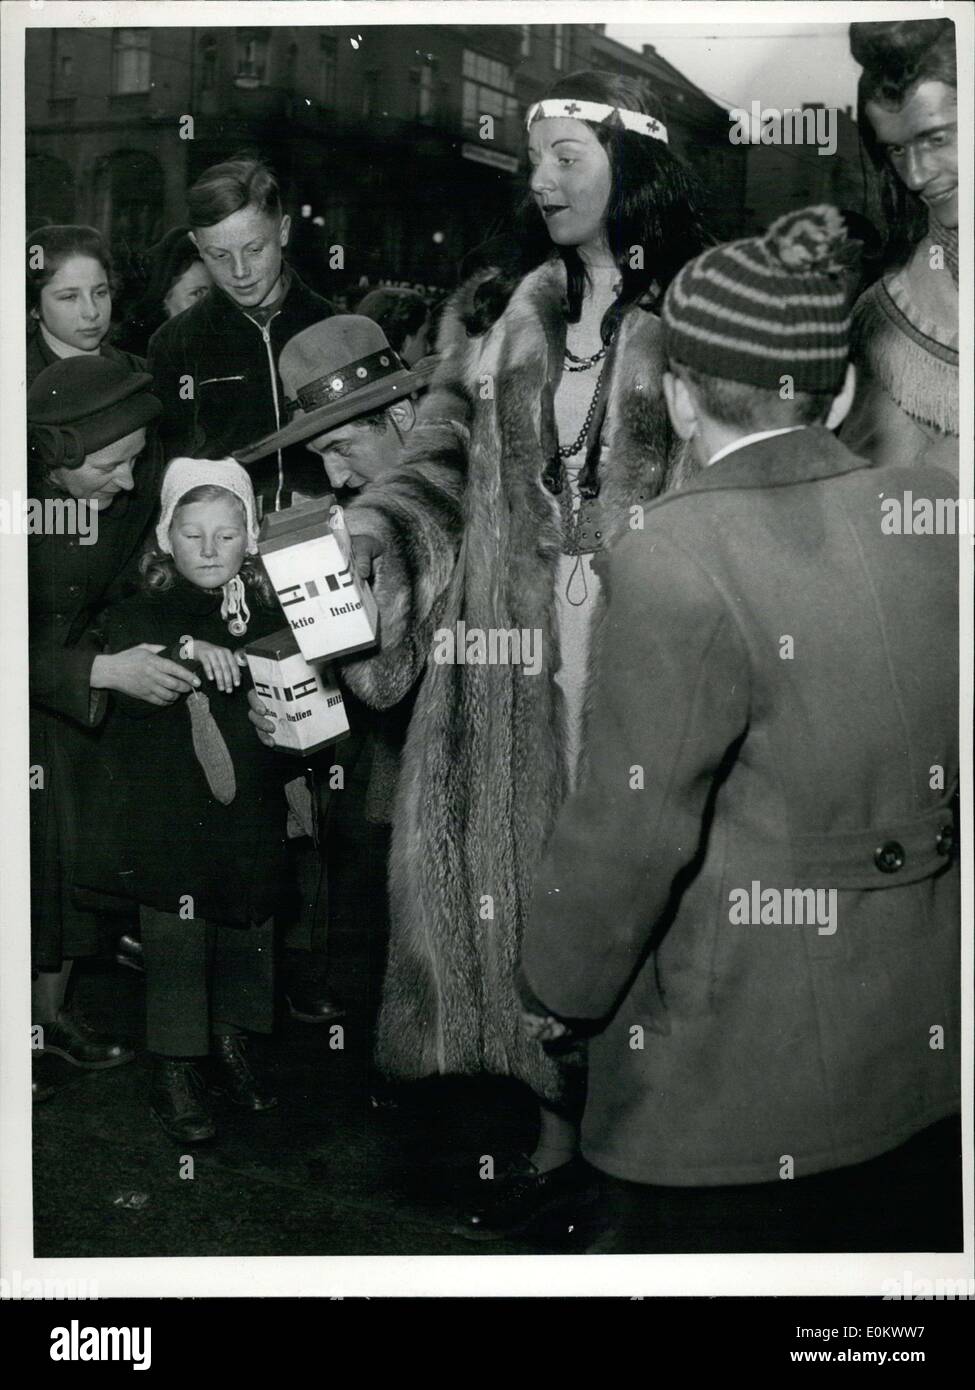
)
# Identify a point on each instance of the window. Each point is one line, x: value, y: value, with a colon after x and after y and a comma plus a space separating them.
x: 208, y: 63
x: 62, y: 65
x: 558, y: 47
x: 424, y: 91
x: 370, y: 92
x: 488, y: 90
x: 328, y: 54
x: 252, y: 45
x: 526, y: 40
x: 130, y: 61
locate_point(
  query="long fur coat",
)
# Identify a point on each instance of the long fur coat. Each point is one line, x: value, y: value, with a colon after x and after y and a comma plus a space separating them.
x: 470, y: 533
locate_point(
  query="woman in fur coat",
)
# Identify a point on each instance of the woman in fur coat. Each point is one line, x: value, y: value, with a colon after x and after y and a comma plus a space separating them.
x: 542, y: 436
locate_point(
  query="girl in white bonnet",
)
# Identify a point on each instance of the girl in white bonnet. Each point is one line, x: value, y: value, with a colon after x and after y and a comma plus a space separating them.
x: 186, y: 813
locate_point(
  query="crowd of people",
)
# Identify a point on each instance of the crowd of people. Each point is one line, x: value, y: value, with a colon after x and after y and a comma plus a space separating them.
x: 667, y: 468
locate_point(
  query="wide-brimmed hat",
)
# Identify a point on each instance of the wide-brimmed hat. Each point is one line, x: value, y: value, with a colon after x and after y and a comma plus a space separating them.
x: 333, y: 371
x: 78, y: 405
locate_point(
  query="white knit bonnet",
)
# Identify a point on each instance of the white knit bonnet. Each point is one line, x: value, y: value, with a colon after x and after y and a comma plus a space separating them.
x: 183, y: 475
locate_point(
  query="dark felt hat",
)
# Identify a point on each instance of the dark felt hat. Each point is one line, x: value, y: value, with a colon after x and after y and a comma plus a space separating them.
x: 333, y: 371
x: 92, y: 401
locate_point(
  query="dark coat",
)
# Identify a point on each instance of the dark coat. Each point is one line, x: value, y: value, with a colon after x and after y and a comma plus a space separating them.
x: 483, y: 771
x: 237, y: 394
x: 154, y: 830
x: 39, y: 355
x: 717, y: 759
x: 68, y: 585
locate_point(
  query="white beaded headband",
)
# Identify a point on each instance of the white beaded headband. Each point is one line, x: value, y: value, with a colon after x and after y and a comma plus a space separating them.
x: 636, y: 121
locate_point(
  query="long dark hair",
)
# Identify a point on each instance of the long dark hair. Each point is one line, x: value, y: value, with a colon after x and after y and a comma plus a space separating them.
x: 896, y: 56
x: 654, y: 204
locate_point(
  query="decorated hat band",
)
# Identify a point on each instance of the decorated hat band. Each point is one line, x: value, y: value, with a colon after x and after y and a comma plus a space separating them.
x: 325, y: 390
x: 637, y: 121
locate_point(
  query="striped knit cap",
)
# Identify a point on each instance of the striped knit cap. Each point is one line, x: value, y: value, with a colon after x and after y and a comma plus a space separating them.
x: 757, y: 310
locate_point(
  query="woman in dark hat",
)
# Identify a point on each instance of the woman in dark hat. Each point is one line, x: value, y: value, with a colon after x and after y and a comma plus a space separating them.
x: 176, y: 279
x: 69, y: 299
x: 94, y: 466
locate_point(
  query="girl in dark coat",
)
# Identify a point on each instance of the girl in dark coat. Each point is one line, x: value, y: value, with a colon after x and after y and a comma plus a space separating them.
x: 69, y: 299
x: 93, y: 474
x: 187, y: 810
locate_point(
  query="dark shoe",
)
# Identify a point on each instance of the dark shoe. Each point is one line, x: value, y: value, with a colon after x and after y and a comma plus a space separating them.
x: 519, y: 1196
x: 128, y: 952
x: 45, y: 1081
x: 178, y: 1100
x: 383, y: 1097
x: 231, y: 1076
x: 72, y: 1039
x: 309, y: 1003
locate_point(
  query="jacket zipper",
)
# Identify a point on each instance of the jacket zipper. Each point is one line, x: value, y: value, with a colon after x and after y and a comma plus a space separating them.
x: 265, y: 329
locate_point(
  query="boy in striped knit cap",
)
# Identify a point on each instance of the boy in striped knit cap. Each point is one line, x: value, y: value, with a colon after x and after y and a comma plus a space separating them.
x: 751, y: 904
x: 757, y: 333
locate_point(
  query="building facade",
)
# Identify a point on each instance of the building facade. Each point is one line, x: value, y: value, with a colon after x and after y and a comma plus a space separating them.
x: 402, y: 147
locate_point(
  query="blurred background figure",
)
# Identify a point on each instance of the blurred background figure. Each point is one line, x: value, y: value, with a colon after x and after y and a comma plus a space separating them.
x: 69, y: 298
x: 863, y: 253
x: 175, y: 278
x: 404, y: 317
x: 905, y: 326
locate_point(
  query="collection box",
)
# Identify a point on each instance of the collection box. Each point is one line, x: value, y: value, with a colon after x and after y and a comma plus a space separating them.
x: 306, y: 700
x: 331, y: 611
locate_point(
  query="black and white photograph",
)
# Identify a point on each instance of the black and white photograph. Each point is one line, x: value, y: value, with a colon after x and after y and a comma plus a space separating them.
x: 487, y: 538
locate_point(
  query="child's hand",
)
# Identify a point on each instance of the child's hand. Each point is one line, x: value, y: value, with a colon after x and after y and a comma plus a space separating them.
x: 542, y: 1028
x: 219, y: 663
x: 261, y: 717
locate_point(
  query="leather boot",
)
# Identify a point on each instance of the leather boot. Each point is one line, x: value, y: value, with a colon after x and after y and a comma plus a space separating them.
x: 520, y: 1195
x: 71, y: 1038
x: 45, y: 1078
x: 231, y: 1075
x: 178, y: 1100
x: 128, y: 952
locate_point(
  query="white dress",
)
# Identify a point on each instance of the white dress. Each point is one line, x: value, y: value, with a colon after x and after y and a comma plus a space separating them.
x: 577, y: 588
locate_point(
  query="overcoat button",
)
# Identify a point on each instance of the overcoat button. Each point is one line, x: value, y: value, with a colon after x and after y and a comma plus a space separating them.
x: 945, y: 842
x: 889, y: 857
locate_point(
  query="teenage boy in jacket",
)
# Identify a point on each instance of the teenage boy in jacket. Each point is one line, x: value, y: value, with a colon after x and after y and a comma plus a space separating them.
x: 215, y: 366
x: 752, y: 902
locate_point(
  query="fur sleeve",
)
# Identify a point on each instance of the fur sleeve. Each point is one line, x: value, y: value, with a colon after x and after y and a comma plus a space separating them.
x: 416, y: 512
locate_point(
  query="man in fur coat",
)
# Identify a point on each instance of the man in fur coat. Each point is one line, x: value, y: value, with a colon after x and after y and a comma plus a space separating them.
x: 753, y: 900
